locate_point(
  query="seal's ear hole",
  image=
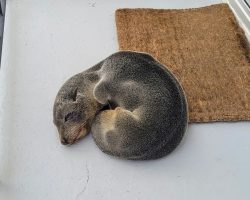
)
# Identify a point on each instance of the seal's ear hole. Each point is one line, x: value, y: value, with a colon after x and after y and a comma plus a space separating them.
x: 74, y: 95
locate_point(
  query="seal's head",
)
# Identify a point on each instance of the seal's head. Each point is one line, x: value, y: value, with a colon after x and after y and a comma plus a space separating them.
x: 73, y: 112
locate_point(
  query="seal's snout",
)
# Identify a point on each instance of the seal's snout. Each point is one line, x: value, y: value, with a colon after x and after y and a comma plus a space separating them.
x: 64, y: 141
x: 72, y: 135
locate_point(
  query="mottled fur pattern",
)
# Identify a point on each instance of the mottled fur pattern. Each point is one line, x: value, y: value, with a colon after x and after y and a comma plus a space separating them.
x: 133, y: 105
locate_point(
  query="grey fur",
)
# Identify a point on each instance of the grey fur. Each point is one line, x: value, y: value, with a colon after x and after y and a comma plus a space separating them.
x: 146, y: 109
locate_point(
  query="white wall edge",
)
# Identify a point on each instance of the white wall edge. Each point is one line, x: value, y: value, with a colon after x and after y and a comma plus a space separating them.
x: 242, y: 13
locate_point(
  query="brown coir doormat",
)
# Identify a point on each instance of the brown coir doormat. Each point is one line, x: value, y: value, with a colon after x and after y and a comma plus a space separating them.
x: 204, y: 48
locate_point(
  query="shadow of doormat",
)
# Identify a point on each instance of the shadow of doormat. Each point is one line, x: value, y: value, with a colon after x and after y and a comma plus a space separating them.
x: 203, y: 47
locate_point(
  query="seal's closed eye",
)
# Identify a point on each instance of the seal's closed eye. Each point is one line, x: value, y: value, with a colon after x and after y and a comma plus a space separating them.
x: 73, y: 116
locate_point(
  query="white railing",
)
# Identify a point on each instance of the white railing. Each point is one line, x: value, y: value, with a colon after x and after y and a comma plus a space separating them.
x: 242, y: 13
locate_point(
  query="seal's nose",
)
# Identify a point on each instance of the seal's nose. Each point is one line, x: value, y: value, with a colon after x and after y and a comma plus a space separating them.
x: 64, y: 141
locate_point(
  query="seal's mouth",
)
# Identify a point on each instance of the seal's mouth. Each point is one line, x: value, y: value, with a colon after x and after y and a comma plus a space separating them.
x: 79, y: 135
x: 81, y: 132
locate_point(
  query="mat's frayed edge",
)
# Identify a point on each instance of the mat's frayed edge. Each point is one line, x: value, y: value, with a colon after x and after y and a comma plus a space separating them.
x: 200, y: 117
x: 242, y: 14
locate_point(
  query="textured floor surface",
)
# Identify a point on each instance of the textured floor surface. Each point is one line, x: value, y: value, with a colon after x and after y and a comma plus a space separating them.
x: 205, y: 49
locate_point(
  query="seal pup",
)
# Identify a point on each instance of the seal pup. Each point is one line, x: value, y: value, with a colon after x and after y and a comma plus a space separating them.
x: 132, y: 104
